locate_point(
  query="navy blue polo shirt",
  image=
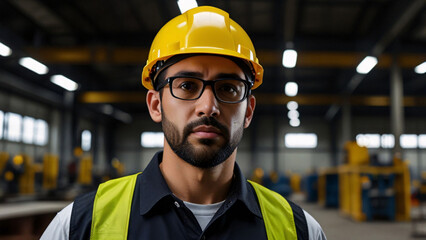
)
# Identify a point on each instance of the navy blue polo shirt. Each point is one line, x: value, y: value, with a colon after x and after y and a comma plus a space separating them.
x: 157, y: 214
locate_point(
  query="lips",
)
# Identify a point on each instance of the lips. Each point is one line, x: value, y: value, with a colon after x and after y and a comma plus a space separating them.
x: 204, y: 131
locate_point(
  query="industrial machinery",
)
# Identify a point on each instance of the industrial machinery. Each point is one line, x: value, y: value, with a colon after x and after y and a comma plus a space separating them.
x: 277, y: 182
x: 310, y: 186
x: 50, y: 171
x: 369, y: 191
x: 328, y: 187
x: 419, y: 207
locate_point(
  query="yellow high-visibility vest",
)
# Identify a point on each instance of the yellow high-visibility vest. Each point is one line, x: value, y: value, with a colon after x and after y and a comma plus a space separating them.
x: 113, y: 202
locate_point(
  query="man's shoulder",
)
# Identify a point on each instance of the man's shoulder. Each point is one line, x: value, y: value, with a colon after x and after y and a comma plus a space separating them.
x: 81, y: 215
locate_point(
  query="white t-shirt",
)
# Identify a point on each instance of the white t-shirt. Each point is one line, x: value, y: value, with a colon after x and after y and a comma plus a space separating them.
x: 203, y: 212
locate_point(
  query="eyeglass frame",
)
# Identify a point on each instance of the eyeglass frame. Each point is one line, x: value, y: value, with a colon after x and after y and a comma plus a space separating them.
x: 211, y: 83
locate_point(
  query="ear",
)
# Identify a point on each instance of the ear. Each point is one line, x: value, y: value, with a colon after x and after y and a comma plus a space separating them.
x: 153, y: 101
x: 251, y: 104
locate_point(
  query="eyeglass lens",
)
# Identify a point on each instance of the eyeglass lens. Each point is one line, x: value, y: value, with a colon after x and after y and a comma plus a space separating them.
x: 227, y: 90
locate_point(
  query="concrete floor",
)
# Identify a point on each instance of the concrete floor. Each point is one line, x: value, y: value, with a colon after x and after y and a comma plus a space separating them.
x: 338, y: 227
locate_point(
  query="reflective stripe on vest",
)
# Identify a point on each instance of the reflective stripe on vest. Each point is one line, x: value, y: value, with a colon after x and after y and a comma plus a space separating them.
x: 111, y: 209
x: 277, y: 214
x: 113, y: 202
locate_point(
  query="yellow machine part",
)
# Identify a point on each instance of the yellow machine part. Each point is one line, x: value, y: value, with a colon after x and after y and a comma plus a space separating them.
x: 26, y: 180
x: 50, y: 171
x: 4, y: 157
x: 355, y: 154
x: 295, y: 180
x: 351, y: 181
x: 85, y: 170
x: 257, y: 176
x: 118, y: 166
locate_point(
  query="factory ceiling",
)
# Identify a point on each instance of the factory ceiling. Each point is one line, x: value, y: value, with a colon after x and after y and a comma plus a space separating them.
x: 103, y: 45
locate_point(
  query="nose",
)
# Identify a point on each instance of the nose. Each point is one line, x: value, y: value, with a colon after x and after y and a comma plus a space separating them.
x: 207, y: 104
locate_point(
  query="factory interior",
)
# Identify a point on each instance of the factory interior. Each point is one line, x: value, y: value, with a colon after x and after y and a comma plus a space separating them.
x: 339, y: 126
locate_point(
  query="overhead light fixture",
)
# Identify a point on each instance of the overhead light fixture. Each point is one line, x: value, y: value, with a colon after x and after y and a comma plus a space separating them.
x: 293, y: 114
x: 289, y: 58
x: 291, y: 89
x: 33, y: 65
x: 64, y: 82
x: 5, y: 51
x: 292, y: 105
x: 294, y: 122
x: 366, y: 65
x: 421, y: 68
x: 185, y: 5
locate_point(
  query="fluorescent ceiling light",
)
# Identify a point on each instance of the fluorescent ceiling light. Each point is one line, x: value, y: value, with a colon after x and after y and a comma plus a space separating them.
x: 292, y: 105
x: 366, y: 65
x: 64, y: 82
x: 185, y: 5
x: 421, y: 68
x: 33, y: 65
x: 5, y: 50
x: 293, y: 114
x: 289, y: 58
x: 291, y: 89
x: 295, y: 122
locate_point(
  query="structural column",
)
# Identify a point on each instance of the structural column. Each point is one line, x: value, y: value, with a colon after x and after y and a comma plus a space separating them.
x: 346, y: 125
x: 397, y: 105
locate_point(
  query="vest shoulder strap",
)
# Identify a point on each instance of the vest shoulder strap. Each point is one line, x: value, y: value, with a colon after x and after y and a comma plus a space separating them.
x: 111, y: 209
x: 277, y: 214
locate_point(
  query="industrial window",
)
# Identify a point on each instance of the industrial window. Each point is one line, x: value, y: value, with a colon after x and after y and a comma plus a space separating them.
x: 387, y: 141
x: 152, y: 139
x: 41, y: 132
x: 29, y: 127
x: 1, y: 124
x: 301, y: 140
x: 86, y: 140
x: 408, y: 141
x: 13, y: 127
x: 368, y: 140
x: 422, y: 141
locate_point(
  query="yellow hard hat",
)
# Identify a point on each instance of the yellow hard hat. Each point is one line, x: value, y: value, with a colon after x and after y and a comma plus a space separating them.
x: 202, y: 30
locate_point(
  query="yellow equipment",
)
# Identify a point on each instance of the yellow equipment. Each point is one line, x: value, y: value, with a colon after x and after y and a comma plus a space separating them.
x: 27, y: 178
x: 354, y: 177
x: 118, y: 167
x: 257, y: 176
x: 295, y: 181
x: 203, y: 30
x: 85, y: 170
x: 50, y: 171
x: 355, y: 154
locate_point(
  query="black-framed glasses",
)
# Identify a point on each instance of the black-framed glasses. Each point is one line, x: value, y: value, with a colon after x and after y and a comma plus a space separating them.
x: 191, y: 88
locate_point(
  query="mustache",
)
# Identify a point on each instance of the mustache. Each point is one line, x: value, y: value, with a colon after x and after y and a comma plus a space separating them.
x: 208, y: 121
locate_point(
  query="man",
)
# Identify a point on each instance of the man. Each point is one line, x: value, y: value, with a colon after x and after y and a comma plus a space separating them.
x: 200, y: 72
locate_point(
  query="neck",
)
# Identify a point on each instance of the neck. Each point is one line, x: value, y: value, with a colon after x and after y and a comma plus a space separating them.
x: 197, y: 185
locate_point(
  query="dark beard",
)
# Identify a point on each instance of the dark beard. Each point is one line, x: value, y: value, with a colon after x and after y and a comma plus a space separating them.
x: 207, y: 156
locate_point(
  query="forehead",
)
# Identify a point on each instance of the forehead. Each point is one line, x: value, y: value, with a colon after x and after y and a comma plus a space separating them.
x: 206, y: 65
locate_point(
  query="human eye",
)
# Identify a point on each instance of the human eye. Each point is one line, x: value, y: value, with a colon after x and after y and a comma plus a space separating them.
x: 229, y: 87
x: 185, y: 84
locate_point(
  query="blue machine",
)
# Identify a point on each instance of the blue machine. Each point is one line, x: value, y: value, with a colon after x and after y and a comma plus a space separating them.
x: 378, y: 200
x: 332, y: 190
x: 310, y: 187
x: 281, y: 184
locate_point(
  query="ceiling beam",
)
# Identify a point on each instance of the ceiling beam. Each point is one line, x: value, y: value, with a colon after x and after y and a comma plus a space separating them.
x: 97, y: 97
x: 387, y: 38
x: 138, y: 56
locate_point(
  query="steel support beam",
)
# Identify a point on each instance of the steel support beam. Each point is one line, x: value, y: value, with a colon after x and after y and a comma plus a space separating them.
x: 138, y: 56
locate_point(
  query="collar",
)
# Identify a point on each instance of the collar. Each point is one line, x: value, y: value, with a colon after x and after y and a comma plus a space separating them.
x: 153, y: 188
